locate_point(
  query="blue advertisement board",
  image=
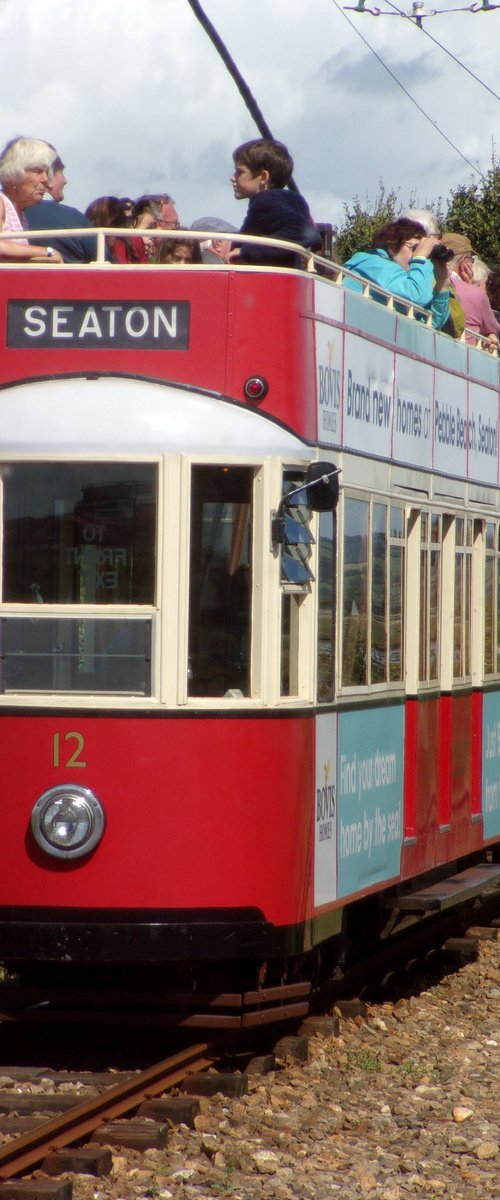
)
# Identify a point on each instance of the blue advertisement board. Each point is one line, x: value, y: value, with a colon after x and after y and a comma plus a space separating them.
x: 370, y: 797
x: 491, y: 765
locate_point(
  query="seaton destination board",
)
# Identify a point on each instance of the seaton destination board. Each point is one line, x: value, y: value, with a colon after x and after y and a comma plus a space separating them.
x: 103, y: 325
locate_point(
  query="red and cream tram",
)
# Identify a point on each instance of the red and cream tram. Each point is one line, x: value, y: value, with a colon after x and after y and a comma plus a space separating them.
x: 225, y: 716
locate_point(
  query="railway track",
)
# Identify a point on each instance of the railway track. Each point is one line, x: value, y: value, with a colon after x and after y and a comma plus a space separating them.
x: 43, y: 1124
x: 111, y: 1102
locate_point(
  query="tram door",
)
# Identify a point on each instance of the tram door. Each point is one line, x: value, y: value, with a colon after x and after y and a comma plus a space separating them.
x: 220, y: 581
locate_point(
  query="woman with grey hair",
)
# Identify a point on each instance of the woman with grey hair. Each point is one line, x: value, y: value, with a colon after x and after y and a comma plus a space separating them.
x: 24, y: 167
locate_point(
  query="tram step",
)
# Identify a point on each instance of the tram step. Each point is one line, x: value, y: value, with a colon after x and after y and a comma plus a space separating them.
x: 454, y: 890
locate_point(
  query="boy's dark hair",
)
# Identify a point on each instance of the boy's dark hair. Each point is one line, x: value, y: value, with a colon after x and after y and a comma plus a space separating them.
x: 264, y: 154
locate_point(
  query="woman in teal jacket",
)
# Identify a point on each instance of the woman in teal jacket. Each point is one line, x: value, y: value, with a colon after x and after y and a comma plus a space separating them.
x: 399, y: 261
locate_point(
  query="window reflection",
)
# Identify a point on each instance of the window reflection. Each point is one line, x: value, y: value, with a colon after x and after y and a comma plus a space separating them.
x: 326, y: 605
x: 59, y: 654
x: 354, y: 660
x: 379, y: 584
x: 396, y: 593
x: 373, y: 597
x: 462, y: 599
x: 430, y: 596
x: 79, y: 533
x: 220, y: 581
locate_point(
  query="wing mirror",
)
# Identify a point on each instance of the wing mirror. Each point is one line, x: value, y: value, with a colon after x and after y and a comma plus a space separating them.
x: 321, y: 488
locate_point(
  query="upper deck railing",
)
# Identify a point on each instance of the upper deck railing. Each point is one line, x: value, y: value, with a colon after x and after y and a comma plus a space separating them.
x: 312, y: 263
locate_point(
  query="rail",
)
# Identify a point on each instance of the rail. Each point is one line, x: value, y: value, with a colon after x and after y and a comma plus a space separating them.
x: 312, y: 263
x: 29, y: 1149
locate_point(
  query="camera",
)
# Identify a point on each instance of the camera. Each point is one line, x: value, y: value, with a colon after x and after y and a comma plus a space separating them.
x: 441, y: 253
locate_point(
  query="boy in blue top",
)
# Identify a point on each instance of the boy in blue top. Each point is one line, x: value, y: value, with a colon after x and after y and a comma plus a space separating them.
x: 262, y: 171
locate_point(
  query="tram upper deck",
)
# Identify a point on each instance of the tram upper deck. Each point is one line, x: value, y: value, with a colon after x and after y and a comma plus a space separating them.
x: 329, y: 366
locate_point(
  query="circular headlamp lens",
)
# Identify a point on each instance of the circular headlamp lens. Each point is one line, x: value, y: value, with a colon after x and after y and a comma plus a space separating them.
x: 67, y: 821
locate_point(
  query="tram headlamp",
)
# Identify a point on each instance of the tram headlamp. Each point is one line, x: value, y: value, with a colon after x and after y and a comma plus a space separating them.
x: 67, y: 821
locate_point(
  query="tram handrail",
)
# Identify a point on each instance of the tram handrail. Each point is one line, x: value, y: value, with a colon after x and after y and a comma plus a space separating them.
x: 312, y: 263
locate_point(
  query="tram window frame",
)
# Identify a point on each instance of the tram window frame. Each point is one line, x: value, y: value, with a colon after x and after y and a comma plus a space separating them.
x: 215, y: 508
x: 295, y: 579
x: 61, y: 634
x: 462, y: 599
x: 327, y: 594
x: 491, y: 605
x: 430, y: 598
x: 377, y: 662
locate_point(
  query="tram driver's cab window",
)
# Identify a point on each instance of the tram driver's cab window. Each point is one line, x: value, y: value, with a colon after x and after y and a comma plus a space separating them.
x: 77, y: 535
x: 220, y: 581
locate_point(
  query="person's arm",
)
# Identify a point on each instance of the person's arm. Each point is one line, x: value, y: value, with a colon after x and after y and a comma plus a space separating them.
x: 489, y: 323
x: 415, y: 285
x: 440, y: 308
x: 22, y: 251
x: 440, y: 305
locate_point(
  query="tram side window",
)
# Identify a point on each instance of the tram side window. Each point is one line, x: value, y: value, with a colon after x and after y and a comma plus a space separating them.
x: 379, y: 594
x: 220, y: 581
x: 430, y: 596
x: 463, y: 598
x: 492, y: 600
x: 355, y: 600
x: 79, y: 533
x: 74, y: 535
x: 396, y: 592
x: 295, y: 578
x: 373, y: 593
x: 326, y: 605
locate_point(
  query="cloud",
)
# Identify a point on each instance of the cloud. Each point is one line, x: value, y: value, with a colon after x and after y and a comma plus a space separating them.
x: 366, y: 76
x: 136, y: 97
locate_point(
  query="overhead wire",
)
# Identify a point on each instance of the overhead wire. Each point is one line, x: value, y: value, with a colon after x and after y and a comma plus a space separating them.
x: 446, y: 51
x: 425, y: 114
x: 255, y: 111
x: 241, y: 83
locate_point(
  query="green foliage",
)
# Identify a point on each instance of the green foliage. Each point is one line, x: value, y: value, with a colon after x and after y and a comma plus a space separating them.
x: 227, y: 1183
x: 363, y: 1059
x: 474, y: 211
x: 409, y: 1067
x: 359, y: 224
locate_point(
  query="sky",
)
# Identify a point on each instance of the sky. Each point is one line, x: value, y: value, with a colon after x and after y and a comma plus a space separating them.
x: 136, y: 98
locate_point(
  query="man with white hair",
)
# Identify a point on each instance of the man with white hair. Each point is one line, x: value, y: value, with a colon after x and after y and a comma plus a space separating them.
x: 217, y: 249
x: 51, y: 213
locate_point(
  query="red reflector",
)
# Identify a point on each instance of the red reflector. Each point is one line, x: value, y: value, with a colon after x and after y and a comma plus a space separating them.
x: 255, y: 388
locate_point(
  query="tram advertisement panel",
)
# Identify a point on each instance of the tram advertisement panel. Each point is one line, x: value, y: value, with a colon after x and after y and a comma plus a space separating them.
x: 451, y: 427
x: 329, y: 364
x: 325, y: 810
x: 483, y: 436
x: 368, y: 396
x: 491, y: 765
x: 370, y: 797
x: 413, y: 424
